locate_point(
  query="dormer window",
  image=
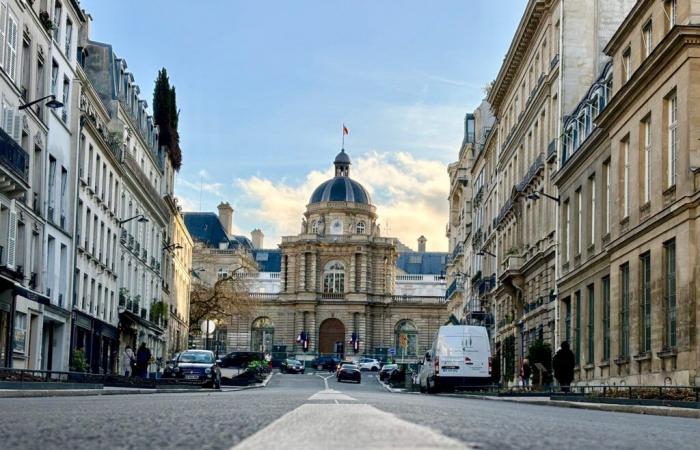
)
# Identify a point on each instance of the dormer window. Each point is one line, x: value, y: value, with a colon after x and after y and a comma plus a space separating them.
x: 314, y: 227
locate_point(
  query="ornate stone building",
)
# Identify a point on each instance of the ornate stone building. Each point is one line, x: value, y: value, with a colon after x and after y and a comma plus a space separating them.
x: 336, y: 283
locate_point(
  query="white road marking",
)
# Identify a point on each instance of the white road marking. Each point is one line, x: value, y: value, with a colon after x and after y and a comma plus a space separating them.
x: 325, y: 379
x: 331, y: 394
x: 310, y: 425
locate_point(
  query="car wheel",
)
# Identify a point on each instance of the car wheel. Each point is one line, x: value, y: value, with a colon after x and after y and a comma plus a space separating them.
x: 319, y: 367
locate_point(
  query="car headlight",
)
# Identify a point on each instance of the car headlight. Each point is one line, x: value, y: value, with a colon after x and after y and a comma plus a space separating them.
x: 176, y: 369
x: 207, y: 370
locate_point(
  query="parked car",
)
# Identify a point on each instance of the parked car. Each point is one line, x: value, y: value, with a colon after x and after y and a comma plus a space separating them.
x: 169, y: 366
x: 325, y: 363
x: 459, y: 357
x: 369, y: 364
x: 241, y: 359
x: 198, y: 365
x: 349, y: 372
x: 387, y: 371
x: 291, y: 366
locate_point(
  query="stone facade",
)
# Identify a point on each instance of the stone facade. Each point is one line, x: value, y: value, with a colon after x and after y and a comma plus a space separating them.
x: 629, y: 187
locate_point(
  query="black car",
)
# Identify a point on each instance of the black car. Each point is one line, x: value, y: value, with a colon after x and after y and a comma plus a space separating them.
x: 325, y: 363
x: 387, y: 371
x: 169, y: 366
x: 349, y: 372
x: 198, y: 366
x: 240, y: 360
x: 291, y: 366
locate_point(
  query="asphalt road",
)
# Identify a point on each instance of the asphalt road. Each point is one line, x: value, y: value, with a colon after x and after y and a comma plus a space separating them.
x: 301, y: 411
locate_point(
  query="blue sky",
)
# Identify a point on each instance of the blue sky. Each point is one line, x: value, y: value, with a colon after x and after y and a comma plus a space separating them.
x: 264, y: 88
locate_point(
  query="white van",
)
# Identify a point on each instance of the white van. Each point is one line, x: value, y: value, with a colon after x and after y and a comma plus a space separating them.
x: 459, y: 357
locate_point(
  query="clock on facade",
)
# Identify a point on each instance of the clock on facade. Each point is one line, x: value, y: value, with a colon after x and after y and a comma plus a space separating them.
x: 337, y: 226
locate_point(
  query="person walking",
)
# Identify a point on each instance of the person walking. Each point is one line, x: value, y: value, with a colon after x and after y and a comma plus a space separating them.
x: 128, y: 361
x: 525, y: 372
x: 563, y: 365
x: 143, y: 357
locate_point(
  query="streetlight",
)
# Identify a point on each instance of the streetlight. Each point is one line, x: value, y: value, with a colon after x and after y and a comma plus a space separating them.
x: 140, y: 217
x: 53, y: 103
x: 172, y: 246
x: 486, y: 252
x: 538, y: 195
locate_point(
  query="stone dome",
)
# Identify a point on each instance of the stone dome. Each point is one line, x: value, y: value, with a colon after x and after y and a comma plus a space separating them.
x: 341, y: 188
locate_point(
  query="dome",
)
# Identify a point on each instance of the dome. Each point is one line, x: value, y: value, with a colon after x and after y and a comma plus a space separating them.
x: 342, y: 158
x: 340, y: 189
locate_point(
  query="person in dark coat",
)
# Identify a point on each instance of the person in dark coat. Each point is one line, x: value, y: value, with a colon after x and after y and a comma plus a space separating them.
x: 563, y: 365
x: 143, y: 357
x: 525, y: 372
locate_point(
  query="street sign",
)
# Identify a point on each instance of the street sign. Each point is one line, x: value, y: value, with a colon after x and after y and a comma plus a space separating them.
x: 392, y: 351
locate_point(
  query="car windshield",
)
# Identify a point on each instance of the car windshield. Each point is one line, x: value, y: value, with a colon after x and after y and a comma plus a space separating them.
x: 293, y: 362
x: 389, y: 367
x: 349, y: 366
x: 196, y: 357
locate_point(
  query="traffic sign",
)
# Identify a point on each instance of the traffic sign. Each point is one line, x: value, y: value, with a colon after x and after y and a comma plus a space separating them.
x: 392, y: 351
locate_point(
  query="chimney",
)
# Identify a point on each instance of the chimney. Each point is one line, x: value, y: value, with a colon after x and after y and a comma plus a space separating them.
x: 257, y: 237
x: 421, y: 244
x: 226, y: 217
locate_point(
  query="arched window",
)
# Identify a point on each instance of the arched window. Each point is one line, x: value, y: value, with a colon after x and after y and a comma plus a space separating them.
x: 262, y: 333
x: 314, y: 227
x: 334, y: 278
x: 406, y: 338
x: 360, y: 228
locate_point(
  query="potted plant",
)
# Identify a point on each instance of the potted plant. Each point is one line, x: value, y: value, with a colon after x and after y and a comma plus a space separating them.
x: 46, y: 21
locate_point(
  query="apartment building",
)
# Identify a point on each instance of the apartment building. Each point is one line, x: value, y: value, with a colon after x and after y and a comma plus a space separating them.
x: 629, y: 187
x: 177, y: 278
x: 555, y: 55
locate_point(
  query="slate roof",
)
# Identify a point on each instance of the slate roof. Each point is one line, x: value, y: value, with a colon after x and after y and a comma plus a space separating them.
x: 205, y: 227
x: 268, y: 259
x: 428, y: 263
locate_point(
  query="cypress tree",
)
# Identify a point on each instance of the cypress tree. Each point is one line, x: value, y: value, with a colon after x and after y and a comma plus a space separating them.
x: 165, y: 116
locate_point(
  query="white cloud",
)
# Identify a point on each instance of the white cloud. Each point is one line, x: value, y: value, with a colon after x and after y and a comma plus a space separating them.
x: 410, y: 195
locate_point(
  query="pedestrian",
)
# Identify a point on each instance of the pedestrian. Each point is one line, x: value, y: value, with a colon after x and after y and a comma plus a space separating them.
x: 143, y: 358
x: 525, y: 372
x: 128, y: 361
x: 563, y: 365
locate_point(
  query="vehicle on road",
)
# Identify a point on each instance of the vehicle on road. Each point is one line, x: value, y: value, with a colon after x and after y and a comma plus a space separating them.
x: 169, y: 366
x: 387, y: 371
x: 369, y: 364
x: 328, y: 363
x: 198, y: 366
x: 241, y: 359
x: 460, y: 357
x: 349, y: 372
x: 291, y: 366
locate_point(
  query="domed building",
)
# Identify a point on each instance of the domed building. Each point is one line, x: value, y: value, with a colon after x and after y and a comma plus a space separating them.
x: 339, y: 287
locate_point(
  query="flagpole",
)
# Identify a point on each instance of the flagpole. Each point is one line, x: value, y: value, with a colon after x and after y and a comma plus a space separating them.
x: 342, y: 131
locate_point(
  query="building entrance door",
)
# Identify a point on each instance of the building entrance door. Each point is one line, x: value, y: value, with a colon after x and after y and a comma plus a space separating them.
x: 331, y: 337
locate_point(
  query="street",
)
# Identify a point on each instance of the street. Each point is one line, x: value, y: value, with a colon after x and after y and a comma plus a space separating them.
x: 301, y: 411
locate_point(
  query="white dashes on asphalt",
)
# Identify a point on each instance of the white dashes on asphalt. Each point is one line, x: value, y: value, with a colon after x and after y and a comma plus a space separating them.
x: 310, y: 426
x: 330, y: 394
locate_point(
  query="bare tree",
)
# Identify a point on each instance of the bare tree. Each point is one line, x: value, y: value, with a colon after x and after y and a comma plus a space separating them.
x: 229, y: 296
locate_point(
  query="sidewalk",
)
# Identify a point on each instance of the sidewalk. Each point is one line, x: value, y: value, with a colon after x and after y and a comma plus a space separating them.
x: 634, y: 409
x: 28, y: 393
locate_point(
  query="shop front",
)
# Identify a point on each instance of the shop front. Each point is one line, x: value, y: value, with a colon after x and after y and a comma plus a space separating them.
x: 94, y: 345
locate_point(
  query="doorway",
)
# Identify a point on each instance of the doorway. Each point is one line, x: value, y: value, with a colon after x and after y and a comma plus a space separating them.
x: 331, y: 338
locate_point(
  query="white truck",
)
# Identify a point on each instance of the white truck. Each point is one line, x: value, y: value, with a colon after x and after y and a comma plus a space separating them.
x: 460, y: 357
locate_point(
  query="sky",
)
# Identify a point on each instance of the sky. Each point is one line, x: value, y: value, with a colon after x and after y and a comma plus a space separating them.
x: 264, y: 89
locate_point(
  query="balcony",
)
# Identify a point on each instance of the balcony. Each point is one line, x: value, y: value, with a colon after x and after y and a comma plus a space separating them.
x: 145, y: 183
x: 123, y: 236
x: 507, y: 207
x: 457, y: 251
x: 532, y: 172
x: 453, y: 289
x: 485, y: 285
x: 512, y: 265
x: 14, y: 160
x: 552, y: 150
x: 332, y: 296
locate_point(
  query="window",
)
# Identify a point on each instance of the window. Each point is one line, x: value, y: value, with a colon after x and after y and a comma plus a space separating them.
x: 645, y: 306
x: 646, y: 160
x: 52, y: 186
x: 591, y: 210
x: 64, y: 183
x: 69, y: 38
x: 10, y: 43
x: 567, y: 319
x: 334, y: 278
x: 624, y: 310
x: 591, y: 325
x: 567, y: 230
x: 577, y: 329
x: 221, y: 273
x: 647, y: 39
x: 406, y: 338
x: 670, y: 294
x: 66, y: 99
x: 54, y: 77
x: 672, y: 151
x: 626, y: 177
x: 26, y: 69
x: 19, y: 343
x: 314, y: 227
x: 57, y: 11
x: 360, y: 228
x: 606, y: 318
x: 606, y: 172
x: 670, y: 10
x: 626, y: 65
x: 579, y: 221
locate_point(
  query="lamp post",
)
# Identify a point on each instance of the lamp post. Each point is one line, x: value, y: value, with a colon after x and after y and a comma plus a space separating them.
x: 53, y: 103
x: 537, y: 195
x: 140, y: 217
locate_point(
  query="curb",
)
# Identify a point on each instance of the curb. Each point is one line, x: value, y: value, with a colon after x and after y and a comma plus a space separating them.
x: 631, y: 409
x: 95, y: 392
x: 253, y: 386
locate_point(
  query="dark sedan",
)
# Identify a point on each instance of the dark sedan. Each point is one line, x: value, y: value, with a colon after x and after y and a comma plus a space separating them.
x: 387, y: 371
x: 349, y: 372
x: 198, y: 366
x: 291, y: 366
x: 325, y: 363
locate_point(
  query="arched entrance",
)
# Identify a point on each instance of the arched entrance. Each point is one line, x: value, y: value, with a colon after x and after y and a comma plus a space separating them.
x: 331, y: 337
x: 262, y: 333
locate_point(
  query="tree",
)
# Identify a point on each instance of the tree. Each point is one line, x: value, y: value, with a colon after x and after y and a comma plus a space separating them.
x: 540, y: 352
x: 166, y: 116
x: 229, y: 296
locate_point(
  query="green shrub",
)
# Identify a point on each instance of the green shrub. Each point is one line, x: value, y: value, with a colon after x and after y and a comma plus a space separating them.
x: 79, y: 362
x: 540, y: 352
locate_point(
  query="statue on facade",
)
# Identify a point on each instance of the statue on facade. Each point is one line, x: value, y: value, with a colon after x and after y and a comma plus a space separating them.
x: 303, y: 226
x: 321, y: 226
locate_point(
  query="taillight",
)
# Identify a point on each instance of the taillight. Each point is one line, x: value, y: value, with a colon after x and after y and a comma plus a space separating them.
x: 490, y: 365
x: 437, y: 364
